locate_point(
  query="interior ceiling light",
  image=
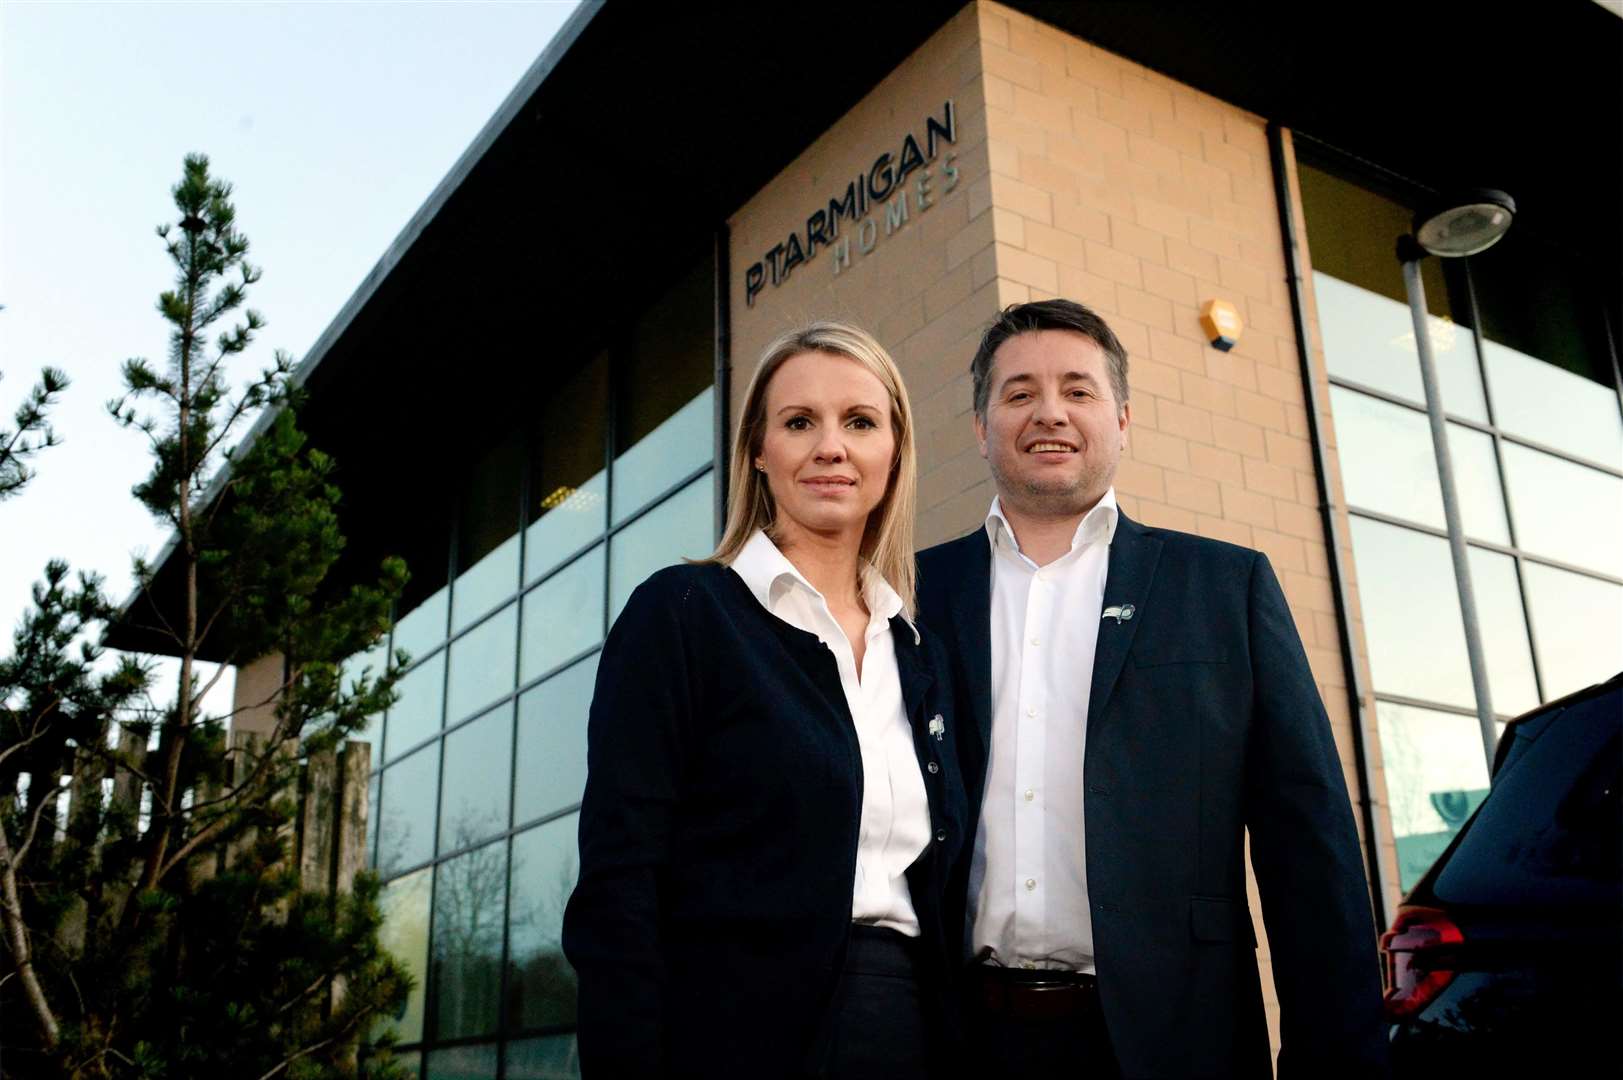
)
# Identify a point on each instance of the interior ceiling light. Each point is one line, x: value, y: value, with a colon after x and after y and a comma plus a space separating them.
x: 1465, y: 225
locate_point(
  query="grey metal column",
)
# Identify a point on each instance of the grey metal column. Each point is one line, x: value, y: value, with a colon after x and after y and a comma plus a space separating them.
x: 1410, y: 258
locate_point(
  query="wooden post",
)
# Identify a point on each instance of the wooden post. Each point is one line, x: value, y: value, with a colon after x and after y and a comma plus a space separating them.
x: 354, y: 771
x: 318, y: 820
x: 349, y: 848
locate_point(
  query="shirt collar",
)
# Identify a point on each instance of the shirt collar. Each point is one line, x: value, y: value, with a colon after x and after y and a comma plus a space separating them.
x: 1097, y: 524
x: 769, y: 574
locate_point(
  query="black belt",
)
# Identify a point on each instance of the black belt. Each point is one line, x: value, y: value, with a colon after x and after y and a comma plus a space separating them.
x: 879, y: 950
x: 1033, y: 995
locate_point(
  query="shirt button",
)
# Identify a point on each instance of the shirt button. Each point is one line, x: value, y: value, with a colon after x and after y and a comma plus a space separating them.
x: 1031, y: 884
x: 933, y: 767
x: 1031, y: 710
x: 1030, y: 794
x: 941, y: 834
x: 1036, y: 641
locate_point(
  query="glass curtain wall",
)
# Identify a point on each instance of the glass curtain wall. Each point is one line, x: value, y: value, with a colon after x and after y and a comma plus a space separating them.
x: 1535, y: 432
x: 482, y: 762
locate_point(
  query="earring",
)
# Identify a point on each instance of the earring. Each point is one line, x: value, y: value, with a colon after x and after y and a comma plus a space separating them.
x: 759, y: 467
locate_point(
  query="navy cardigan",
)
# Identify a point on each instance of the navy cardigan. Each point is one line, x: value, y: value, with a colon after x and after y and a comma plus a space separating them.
x: 718, y: 836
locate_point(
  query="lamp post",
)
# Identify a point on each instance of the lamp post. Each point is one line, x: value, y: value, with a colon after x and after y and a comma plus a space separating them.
x: 1464, y: 226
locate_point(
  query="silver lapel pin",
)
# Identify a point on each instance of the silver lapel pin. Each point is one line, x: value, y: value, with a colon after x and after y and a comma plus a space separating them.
x: 1120, y: 612
x: 938, y: 726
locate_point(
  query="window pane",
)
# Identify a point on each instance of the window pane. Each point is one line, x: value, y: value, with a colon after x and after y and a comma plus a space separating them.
x: 1504, y: 632
x: 1549, y: 405
x: 374, y: 788
x: 1565, y: 511
x: 463, y: 1063
x: 1386, y: 458
x: 1387, y: 465
x: 469, y: 909
x: 482, y: 663
x: 575, y: 518
x: 1436, y: 774
x: 1578, y: 624
x: 551, y: 1058
x: 671, y: 451
x: 1411, y: 614
x: 424, y: 626
x: 564, y: 616
x: 568, y: 486
x: 552, y: 742
x: 404, y: 934
x: 683, y: 525
x: 405, y: 814
x: 416, y: 715
x: 474, y: 788
x: 487, y: 532
x: 1369, y: 339
x: 540, y: 982
x: 490, y: 581
x: 1540, y: 301
x: 1476, y: 483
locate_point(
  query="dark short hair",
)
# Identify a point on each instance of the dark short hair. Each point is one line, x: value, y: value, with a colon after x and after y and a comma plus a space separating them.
x: 1046, y: 315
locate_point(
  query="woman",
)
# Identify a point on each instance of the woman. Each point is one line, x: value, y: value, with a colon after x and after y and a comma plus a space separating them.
x: 773, y: 805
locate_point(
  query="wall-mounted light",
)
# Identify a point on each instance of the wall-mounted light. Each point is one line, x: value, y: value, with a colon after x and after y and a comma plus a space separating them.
x: 1222, y: 323
x: 1466, y: 225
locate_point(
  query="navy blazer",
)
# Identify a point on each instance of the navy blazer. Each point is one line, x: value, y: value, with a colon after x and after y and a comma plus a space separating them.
x: 718, y: 836
x: 1203, y: 723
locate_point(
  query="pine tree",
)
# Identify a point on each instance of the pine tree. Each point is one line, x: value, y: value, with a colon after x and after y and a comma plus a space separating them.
x: 31, y: 433
x: 154, y: 921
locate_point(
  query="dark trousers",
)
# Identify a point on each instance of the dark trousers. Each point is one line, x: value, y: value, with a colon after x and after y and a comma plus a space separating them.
x: 879, y: 1026
x: 1035, y: 1025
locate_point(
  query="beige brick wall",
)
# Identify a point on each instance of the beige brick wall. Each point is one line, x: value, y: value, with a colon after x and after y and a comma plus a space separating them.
x: 1085, y: 175
x: 926, y: 290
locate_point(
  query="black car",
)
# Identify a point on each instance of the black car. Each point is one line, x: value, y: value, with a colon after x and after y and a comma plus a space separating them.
x: 1508, y: 955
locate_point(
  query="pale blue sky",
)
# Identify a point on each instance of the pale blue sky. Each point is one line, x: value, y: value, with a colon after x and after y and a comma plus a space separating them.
x: 334, y: 121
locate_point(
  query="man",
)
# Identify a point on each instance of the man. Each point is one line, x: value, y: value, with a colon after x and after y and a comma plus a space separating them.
x: 1134, y: 700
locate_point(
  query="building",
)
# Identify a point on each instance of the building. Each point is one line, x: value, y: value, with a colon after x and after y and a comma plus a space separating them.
x: 530, y: 395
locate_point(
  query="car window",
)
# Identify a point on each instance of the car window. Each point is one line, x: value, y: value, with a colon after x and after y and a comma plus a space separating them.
x: 1551, y: 830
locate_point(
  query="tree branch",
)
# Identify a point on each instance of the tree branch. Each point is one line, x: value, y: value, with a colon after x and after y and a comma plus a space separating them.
x: 146, y: 588
x: 215, y: 678
x: 215, y: 827
x: 33, y: 824
x: 17, y: 937
x: 308, y: 1050
x: 208, y: 519
x: 350, y: 1025
x: 118, y: 760
x: 35, y: 732
x: 321, y: 980
x: 219, y: 610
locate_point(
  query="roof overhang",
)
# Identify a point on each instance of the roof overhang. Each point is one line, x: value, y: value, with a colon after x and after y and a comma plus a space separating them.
x: 641, y: 128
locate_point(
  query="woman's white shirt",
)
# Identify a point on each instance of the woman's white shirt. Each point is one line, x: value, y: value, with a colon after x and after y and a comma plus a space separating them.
x: 895, y: 826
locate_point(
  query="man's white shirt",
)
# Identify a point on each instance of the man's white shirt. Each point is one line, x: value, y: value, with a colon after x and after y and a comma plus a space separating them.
x: 895, y: 825
x: 1028, y: 887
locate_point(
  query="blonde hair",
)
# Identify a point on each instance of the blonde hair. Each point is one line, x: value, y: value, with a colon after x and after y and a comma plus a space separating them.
x: 887, y: 542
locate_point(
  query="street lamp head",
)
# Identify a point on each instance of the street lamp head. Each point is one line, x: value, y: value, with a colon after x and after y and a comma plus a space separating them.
x: 1465, y: 224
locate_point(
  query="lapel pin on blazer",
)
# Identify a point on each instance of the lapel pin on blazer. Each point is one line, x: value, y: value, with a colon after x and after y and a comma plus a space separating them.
x: 1120, y: 612
x: 938, y: 726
